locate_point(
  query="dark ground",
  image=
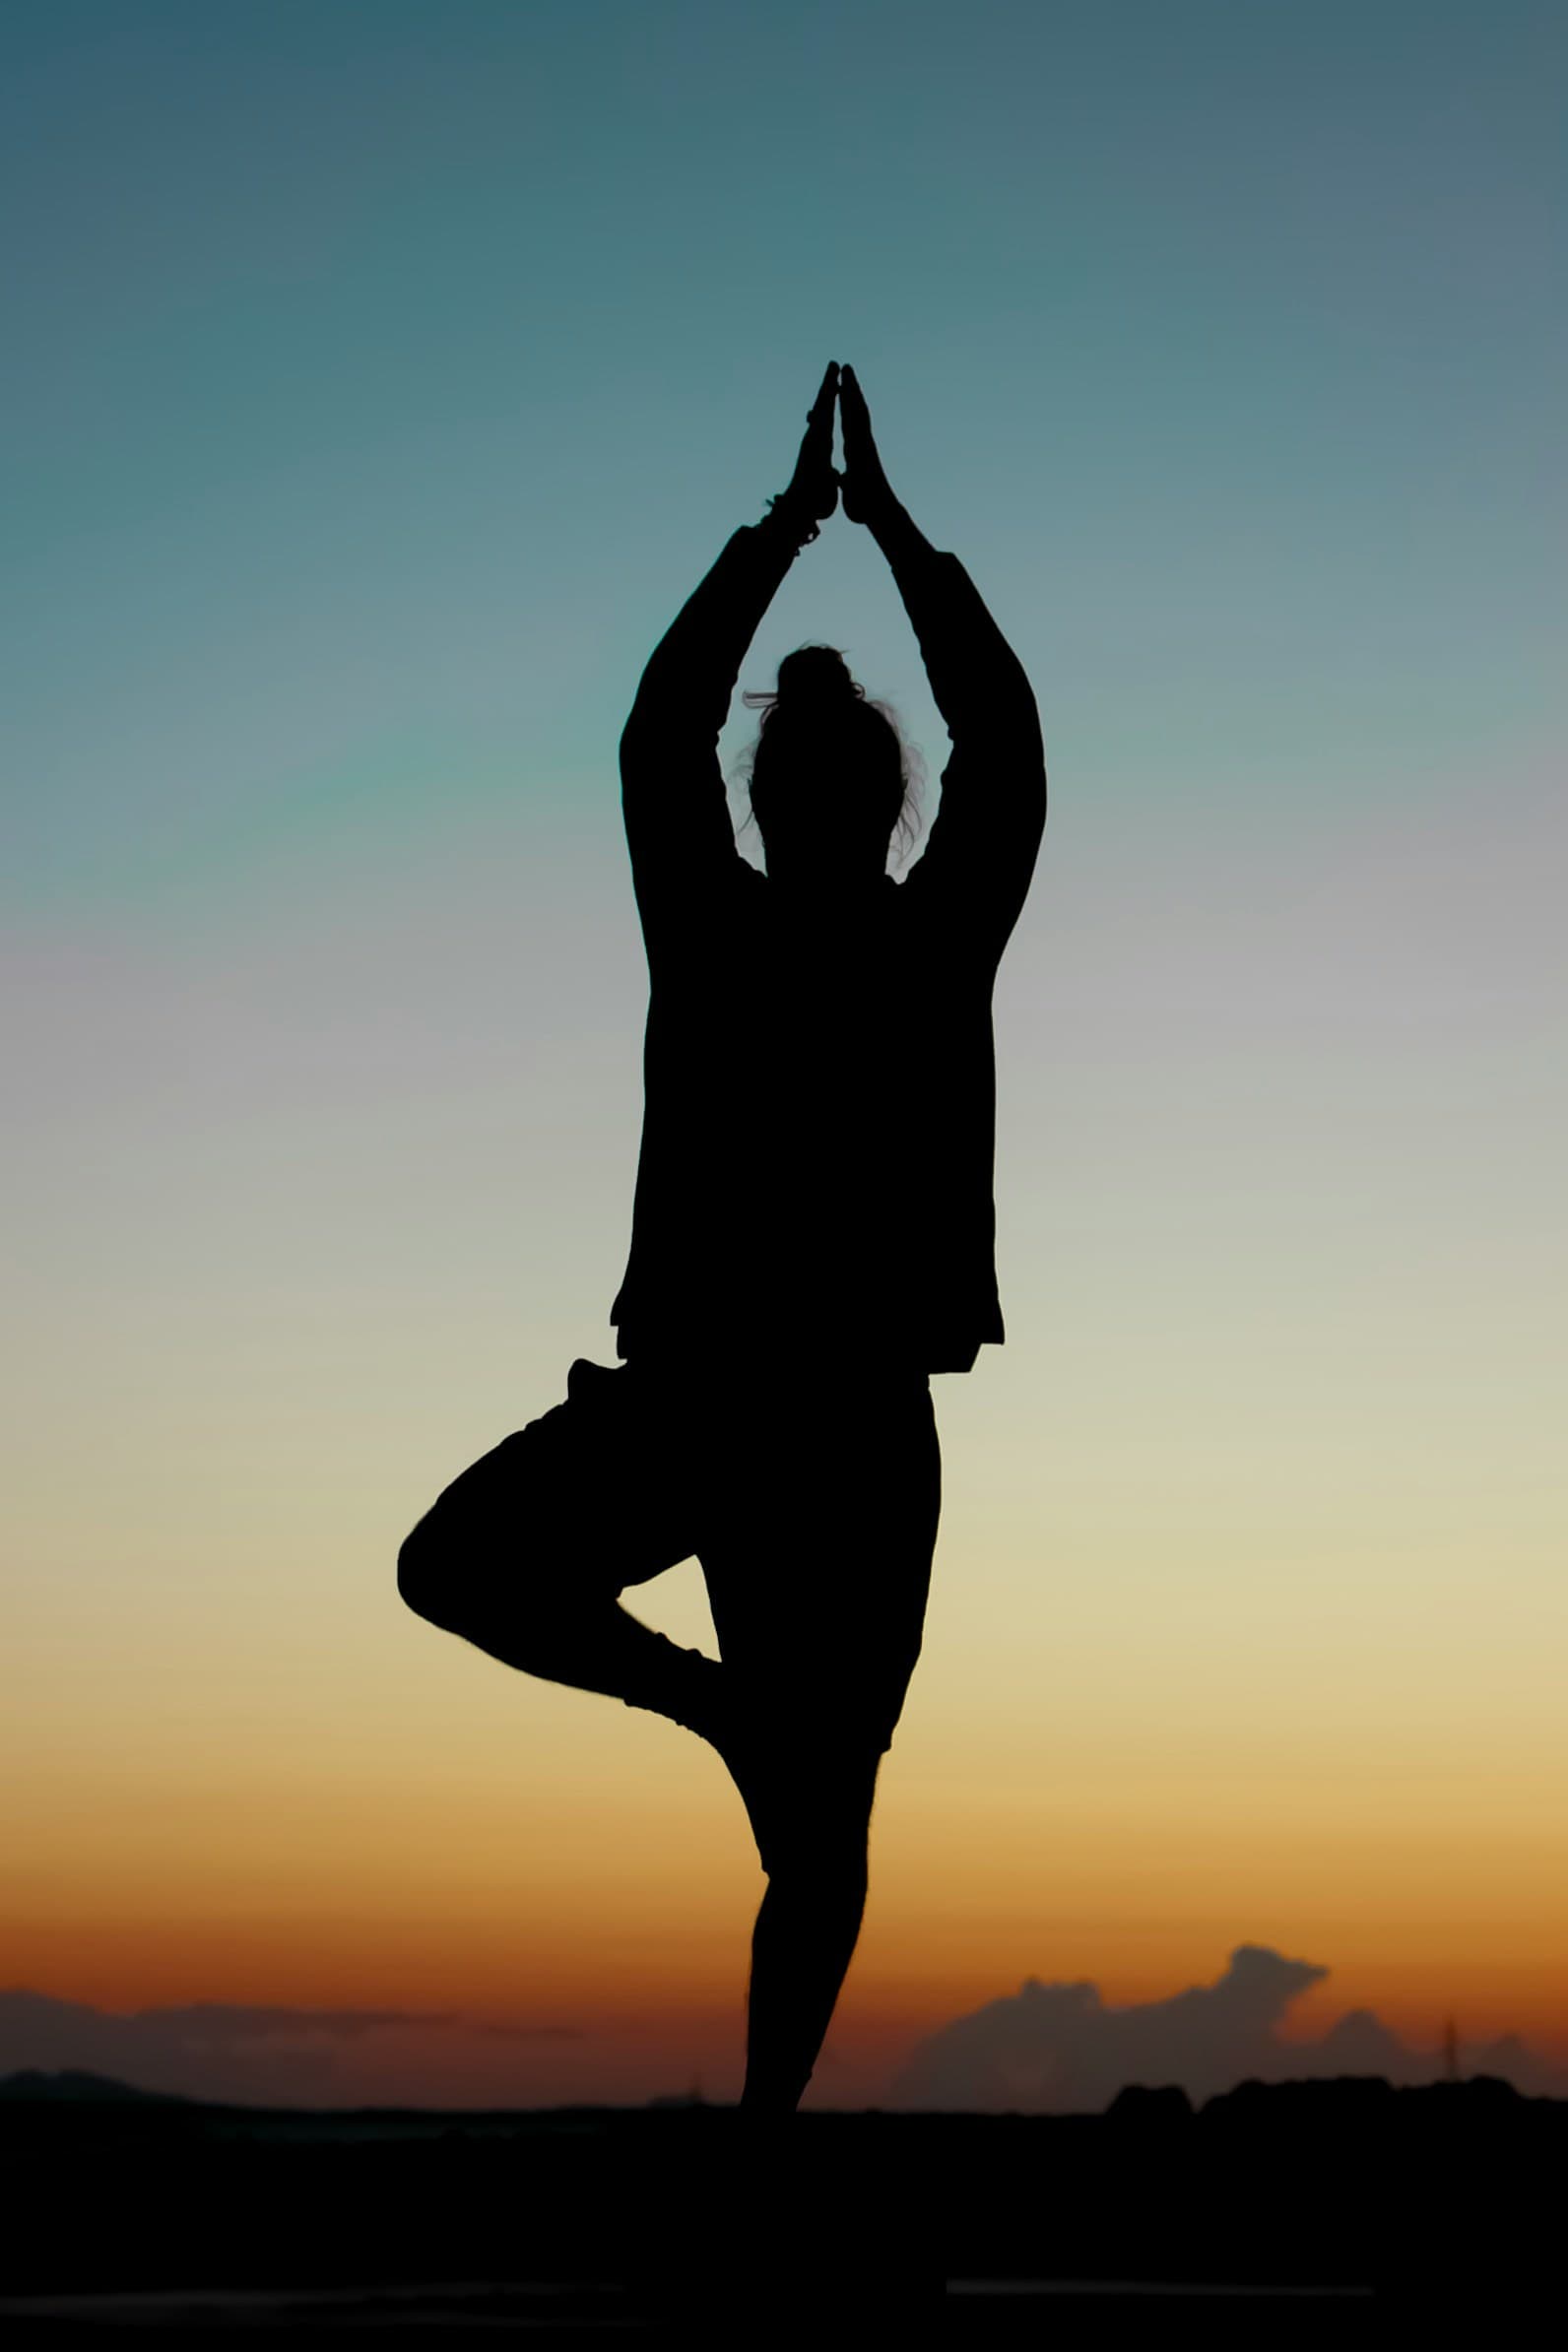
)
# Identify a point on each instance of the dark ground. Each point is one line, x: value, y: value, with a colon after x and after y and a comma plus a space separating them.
x: 1307, y: 2211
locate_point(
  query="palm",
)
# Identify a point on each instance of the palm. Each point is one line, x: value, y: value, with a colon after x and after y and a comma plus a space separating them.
x: 865, y: 487
x: 815, y: 484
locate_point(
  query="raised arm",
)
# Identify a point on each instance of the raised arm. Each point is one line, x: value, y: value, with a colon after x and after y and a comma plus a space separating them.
x: 986, y: 836
x: 672, y: 796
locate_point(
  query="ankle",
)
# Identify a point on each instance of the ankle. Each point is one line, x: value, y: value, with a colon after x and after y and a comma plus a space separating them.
x: 683, y: 1685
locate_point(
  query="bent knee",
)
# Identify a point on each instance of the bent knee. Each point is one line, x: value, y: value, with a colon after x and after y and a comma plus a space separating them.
x: 455, y: 1576
x: 428, y: 1576
x: 821, y: 1876
x: 807, y: 1849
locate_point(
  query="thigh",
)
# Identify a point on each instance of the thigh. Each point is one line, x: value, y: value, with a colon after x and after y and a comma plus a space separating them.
x: 816, y: 1550
x: 585, y: 1494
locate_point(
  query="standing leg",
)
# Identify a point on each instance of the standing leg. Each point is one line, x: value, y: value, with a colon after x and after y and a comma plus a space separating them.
x: 813, y: 1819
x: 818, y: 1587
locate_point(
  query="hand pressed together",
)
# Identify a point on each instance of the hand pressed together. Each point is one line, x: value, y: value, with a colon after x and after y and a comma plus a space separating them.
x: 816, y: 484
x: 867, y: 496
x: 813, y: 485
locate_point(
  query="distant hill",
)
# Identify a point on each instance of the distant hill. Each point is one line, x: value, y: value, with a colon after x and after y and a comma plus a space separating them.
x: 71, y: 2083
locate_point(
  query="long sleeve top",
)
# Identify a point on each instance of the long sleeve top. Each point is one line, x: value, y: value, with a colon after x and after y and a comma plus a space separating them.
x: 816, y: 1173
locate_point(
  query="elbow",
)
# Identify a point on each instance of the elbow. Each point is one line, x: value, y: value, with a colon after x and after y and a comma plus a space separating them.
x: 639, y: 738
x: 1040, y: 779
x: 634, y: 733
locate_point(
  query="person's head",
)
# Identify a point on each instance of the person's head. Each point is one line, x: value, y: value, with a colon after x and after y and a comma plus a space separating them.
x: 831, y: 776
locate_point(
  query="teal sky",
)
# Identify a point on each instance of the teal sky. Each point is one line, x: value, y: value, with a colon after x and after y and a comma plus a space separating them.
x: 382, y: 373
x: 380, y: 378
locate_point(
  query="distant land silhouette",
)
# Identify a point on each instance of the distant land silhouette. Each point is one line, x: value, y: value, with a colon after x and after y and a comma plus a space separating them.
x: 1046, y: 2049
x: 70, y: 2083
x: 1059, y: 2048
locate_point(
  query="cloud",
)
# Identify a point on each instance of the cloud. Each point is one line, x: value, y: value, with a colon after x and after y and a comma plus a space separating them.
x: 1059, y: 2048
x: 225, y: 2051
x: 530, y: 2033
x: 221, y: 2024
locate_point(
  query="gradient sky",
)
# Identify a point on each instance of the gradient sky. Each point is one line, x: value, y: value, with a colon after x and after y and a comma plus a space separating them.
x: 381, y: 378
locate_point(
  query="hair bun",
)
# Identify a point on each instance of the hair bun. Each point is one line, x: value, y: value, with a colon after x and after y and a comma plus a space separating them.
x: 816, y: 677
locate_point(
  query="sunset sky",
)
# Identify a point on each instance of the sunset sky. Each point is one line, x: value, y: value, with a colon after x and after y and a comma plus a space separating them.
x: 382, y: 375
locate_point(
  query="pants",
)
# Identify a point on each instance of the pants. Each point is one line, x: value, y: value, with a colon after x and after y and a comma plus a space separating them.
x: 810, y: 1499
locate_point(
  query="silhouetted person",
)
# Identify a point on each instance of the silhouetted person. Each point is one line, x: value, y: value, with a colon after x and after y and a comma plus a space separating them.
x: 812, y: 1236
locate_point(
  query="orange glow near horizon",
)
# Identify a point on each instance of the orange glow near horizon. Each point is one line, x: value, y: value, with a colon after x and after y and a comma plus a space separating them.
x: 533, y: 1857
